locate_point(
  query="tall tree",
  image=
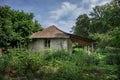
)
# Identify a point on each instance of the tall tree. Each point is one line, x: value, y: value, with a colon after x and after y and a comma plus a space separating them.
x: 99, y: 19
x: 105, y: 20
x: 115, y: 41
x: 16, y: 26
x: 103, y: 24
x: 82, y: 26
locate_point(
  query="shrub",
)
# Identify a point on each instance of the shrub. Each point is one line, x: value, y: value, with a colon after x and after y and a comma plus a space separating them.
x: 58, y: 55
x: 22, y: 62
x: 113, y: 59
x: 56, y: 65
x: 83, y: 58
x: 64, y: 66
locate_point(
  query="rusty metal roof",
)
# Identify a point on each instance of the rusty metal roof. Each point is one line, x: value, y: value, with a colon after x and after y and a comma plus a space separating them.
x: 50, y: 32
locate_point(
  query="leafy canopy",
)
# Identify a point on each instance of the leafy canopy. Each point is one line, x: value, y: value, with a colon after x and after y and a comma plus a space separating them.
x: 101, y: 24
x: 16, y: 26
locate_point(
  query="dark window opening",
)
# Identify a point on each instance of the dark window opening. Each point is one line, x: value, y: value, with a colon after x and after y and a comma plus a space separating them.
x: 47, y: 43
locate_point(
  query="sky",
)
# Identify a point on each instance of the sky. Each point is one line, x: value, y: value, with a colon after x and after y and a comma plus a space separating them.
x: 61, y: 13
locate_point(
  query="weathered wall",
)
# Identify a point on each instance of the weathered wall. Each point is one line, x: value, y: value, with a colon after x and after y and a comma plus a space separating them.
x: 55, y: 44
x: 59, y: 44
x: 37, y: 45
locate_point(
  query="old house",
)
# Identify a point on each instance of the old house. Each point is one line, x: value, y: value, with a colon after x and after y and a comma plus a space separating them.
x: 54, y: 39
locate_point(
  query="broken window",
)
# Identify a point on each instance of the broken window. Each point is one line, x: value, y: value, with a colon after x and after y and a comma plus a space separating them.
x: 47, y: 43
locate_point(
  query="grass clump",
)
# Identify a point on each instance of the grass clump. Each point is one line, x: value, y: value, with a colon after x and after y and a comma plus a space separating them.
x: 57, y: 65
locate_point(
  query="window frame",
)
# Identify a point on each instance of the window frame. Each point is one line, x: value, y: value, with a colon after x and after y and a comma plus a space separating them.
x: 47, y: 43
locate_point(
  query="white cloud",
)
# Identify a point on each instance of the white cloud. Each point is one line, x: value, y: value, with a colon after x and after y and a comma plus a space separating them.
x: 69, y: 12
x: 66, y: 25
x: 66, y: 9
x: 64, y: 17
x: 61, y: 24
x: 93, y: 3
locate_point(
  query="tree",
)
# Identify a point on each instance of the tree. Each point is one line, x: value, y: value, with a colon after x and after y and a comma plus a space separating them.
x: 16, y: 26
x: 115, y: 41
x: 105, y: 18
x: 100, y: 17
x: 82, y: 26
x: 102, y: 24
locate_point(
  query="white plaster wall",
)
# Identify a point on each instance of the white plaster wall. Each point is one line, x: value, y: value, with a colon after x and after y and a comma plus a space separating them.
x: 55, y: 44
x: 59, y: 44
x: 37, y: 45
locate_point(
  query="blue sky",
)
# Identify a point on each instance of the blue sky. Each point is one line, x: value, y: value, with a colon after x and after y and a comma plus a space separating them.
x: 62, y: 13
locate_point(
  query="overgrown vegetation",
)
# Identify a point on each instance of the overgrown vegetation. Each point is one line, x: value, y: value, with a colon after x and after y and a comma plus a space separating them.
x: 16, y: 27
x: 19, y: 63
x: 101, y: 24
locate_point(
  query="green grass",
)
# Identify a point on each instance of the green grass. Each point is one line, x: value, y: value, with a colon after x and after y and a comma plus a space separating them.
x: 59, y: 65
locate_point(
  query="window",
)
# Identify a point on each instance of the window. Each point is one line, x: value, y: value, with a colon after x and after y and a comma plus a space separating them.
x: 47, y: 43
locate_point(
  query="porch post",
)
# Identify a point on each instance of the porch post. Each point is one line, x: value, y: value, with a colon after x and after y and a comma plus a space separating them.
x: 92, y: 47
x: 85, y: 48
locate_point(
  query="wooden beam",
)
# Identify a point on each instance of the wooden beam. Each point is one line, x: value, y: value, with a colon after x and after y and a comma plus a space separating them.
x: 80, y: 42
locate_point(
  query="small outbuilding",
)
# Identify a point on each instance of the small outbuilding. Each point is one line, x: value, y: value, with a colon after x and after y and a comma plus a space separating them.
x: 55, y: 39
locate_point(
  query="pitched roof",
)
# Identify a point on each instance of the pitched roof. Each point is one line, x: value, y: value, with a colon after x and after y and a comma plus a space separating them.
x: 54, y: 32
x: 50, y: 32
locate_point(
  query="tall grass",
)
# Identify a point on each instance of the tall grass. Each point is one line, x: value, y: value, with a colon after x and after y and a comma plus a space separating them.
x: 55, y: 65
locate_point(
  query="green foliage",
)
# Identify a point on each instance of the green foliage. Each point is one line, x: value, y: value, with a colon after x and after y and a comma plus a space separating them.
x: 58, y: 65
x: 115, y: 41
x: 102, y: 40
x: 102, y: 23
x: 82, y: 26
x: 16, y: 26
x: 113, y: 59
x: 22, y: 61
x: 58, y: 55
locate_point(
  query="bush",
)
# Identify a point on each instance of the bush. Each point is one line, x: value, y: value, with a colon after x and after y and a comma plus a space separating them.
x: 64, y: 66
x: 113, y: 59
x: 82, y: 57
x: 20, y: 62
x: 57, y: 65
x: 58, y: 55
